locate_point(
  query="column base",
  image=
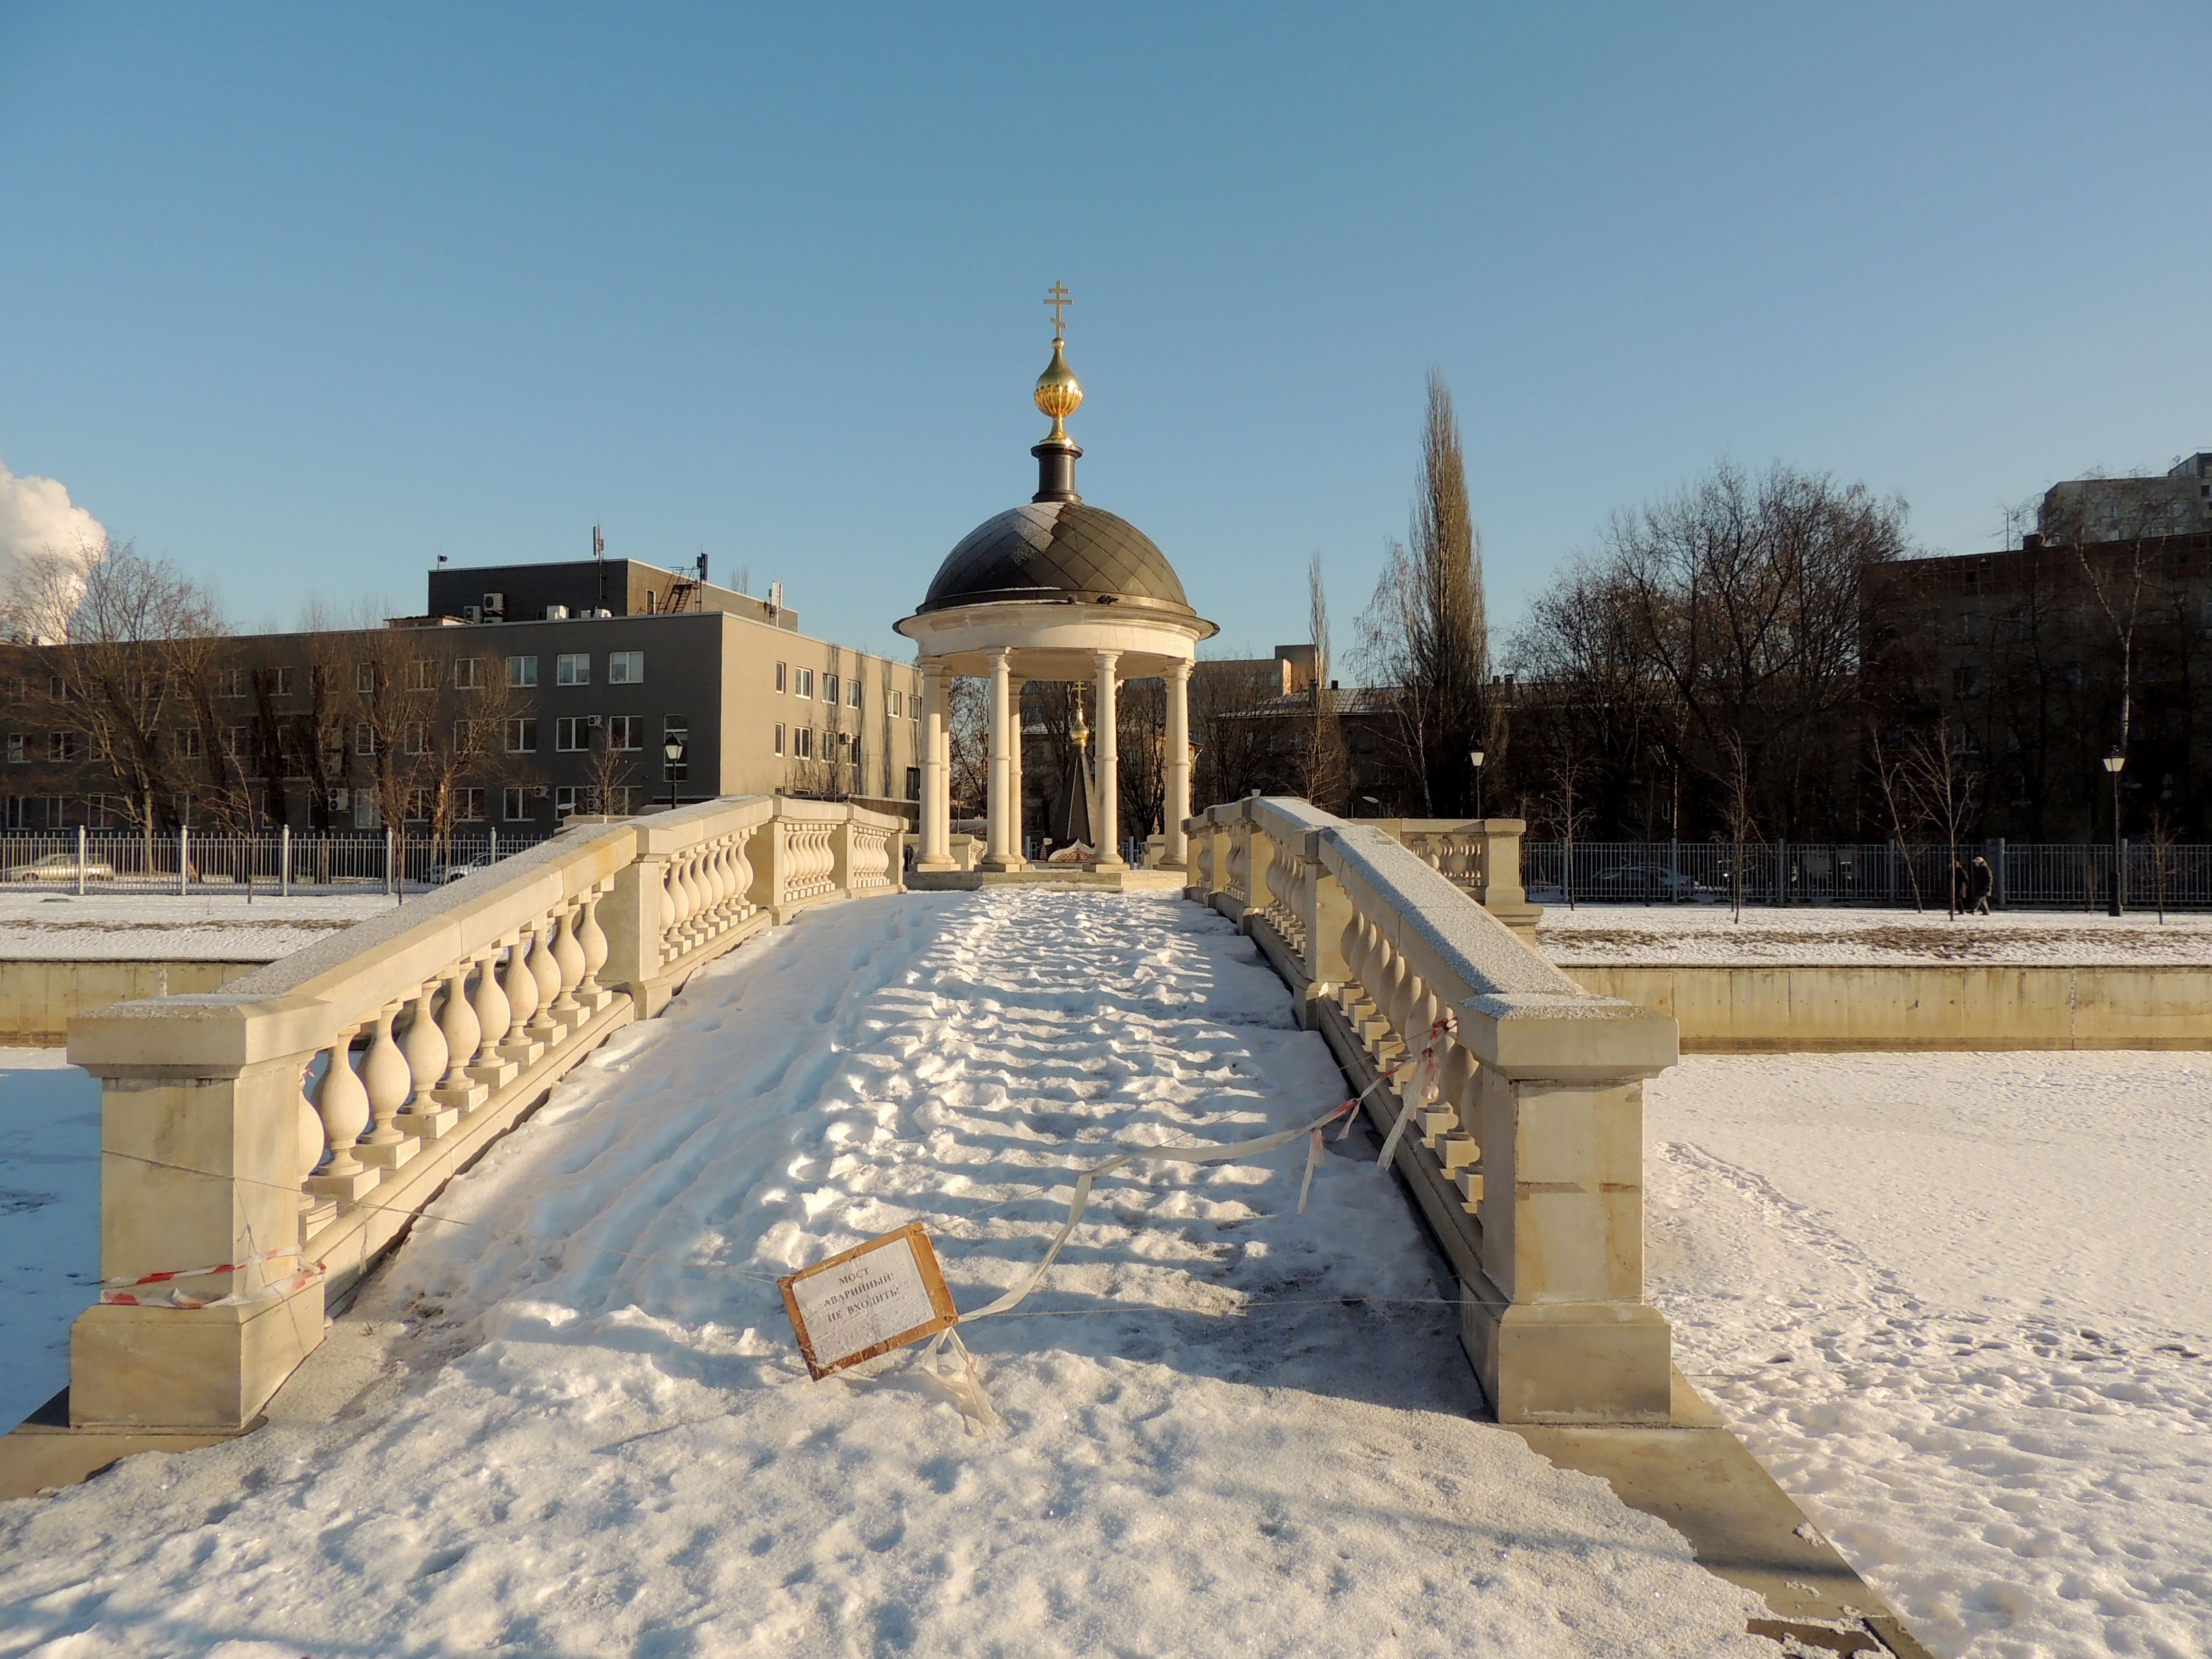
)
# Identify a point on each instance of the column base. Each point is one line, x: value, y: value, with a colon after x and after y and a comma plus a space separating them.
x: 175, y: 1368
x: 998, y: 865
x: 1567, y: 1362
x: 1109, y: 864
x: 933, y: 864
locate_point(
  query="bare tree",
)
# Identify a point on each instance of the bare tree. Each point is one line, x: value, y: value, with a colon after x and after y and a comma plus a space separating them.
x: 1320, y: 767
x: 117, y: 622
x: 968, y: 720
x: 1141, y: 727
x: 1424, y: 635
x: 1239, y: 742
x: 1938, y: 769
x: 1901, y: 812
x: 1736, y: 813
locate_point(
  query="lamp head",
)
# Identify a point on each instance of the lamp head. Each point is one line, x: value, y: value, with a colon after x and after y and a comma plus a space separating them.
x: 1475, y: 755
x: 2115, y: 761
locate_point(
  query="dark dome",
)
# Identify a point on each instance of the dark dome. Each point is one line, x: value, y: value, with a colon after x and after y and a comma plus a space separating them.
x: 1056, y: 549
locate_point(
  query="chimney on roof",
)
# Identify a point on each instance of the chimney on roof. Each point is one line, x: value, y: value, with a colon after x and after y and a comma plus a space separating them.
x: 2031, y: 542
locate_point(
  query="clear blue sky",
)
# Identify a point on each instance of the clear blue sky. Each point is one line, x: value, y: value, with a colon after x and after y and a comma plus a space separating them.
x: 303, y: 296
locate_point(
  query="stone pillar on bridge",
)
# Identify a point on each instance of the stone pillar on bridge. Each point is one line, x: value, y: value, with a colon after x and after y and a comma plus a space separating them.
x: 1176, y: 853
x: 1107, y: 767
x: 936, y: 824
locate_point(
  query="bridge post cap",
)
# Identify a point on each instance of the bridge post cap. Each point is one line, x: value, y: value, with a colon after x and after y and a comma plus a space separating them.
x: 1565, y: 1038
x: 210, y: 1034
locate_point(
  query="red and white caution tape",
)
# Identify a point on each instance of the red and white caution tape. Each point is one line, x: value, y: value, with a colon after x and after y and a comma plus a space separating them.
x: 130, y: 1292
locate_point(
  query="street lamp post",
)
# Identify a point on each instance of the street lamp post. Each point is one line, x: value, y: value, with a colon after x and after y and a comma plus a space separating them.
x: 673, y: 752
x: 1475, y: 755
x: 2114, y: 762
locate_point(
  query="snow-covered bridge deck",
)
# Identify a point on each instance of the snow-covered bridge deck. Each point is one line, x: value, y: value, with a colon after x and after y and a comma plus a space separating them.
x: 568, y: 1418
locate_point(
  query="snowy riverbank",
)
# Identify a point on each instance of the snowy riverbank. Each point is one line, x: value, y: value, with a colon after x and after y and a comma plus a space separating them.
x: 577, y: 1423
x: 1960, y: 1306
x: 50, y: 926
x: 1695, y: 935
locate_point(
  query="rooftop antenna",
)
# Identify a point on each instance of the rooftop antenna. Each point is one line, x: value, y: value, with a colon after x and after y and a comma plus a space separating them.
x: 600, y: 556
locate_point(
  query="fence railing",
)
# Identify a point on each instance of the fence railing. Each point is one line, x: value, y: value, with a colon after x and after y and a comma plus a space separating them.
x: 259, y: 1145
x: 1512, y: 1099
x: 2022, y: 875
x: 192, y: 860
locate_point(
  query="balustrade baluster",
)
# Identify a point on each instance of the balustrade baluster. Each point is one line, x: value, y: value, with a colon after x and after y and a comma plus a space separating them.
x: 308, y: 1125
x: 569, y: 958
x: 342, y: 1105
x: 741, y: 873
x: 424, y: 1044
x: 546, y: 975
x: 521, y: 984
x: 593, y: 938
x: 458, y: 1025
x: 491, y: 1010
x: 386, y: 1076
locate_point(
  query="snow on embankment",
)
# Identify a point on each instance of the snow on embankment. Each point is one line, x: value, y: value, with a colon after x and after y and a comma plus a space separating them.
x: 1702, y: 935
x: 1960, y: 1306
x: 599, y: 1438
x: 128, y: 926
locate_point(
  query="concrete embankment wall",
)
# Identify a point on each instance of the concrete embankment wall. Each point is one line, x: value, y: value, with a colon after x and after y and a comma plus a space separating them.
x: 37, y: 997
x: 1778, y: 1008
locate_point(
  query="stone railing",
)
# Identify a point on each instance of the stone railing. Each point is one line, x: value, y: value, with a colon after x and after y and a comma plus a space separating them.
x: 1480, y: 856
x: 277, y: 1133
x: 1524, y: 1146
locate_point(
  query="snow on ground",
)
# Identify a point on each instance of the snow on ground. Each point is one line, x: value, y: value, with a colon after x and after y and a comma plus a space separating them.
x: 1708, y: 935
x: 155, y: 927
x: 1960, y: 1306
x: 582, y: 1426
x: 49, y: 1220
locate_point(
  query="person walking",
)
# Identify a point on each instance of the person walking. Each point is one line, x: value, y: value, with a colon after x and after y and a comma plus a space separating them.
x: 1979, y: 881
x: 1958, y: 880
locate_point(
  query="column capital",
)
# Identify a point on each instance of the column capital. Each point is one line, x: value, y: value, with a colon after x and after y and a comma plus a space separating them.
x: 1178, y: 672
x: 1106, y: 660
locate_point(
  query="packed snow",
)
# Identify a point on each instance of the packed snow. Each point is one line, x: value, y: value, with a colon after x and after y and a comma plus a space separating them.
x: 119, y: 927
x: 1960, y: 1306
x: 570, y: 1418
x: 1699, y: 935
x: 49, y: 1220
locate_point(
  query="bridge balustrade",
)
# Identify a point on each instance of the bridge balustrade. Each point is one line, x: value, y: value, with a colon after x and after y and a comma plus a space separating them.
x: 270, y: 1139
x: 1521, y: 1094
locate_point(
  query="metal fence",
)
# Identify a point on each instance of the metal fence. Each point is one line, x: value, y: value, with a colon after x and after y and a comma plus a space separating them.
x: 2026, y: 875
x: 197, y: 861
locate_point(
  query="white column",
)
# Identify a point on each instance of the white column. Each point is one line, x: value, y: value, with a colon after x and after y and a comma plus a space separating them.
x: 1108, y: 768
x: 936, y: 824
x: 1176, y: 854
x: 1014, y: 768
x: 998, y: 854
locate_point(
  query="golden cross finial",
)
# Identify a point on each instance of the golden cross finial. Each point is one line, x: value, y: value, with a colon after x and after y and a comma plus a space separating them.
x: 1056, y: 299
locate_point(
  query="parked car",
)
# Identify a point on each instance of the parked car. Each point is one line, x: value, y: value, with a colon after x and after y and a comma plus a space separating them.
x: 442, y: 873
x: 1642, y: 881
x: 62, y: 867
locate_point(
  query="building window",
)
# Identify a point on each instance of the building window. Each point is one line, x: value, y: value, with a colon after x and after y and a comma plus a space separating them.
x: 829, y: 688
x: 234, y: 742
x: 802, y: 743
x: 678, y: 727
x: 852, y: 693
x: 522, y: 670
x: 805, y: 687
x: 364, y: 814
x: 572, y: 734
x: 471, y: 806
x: 564, y: 800
x: 418, y: 806
x: 625, y: 668
x: 914, y: 783
x: 364, y: 738
x: 16, y: 756
x: 625, y: 732
x: 779, y: 737
x: 522, y: 735
x: 464, y: 673
x: 892, y: 704
x: 417, y: 738
x: 1966, y: 682
x: 617, y: 798
x: 425, y: 676
x: 61, y: 746
x: 364, y: 677
x: 514, y: 803
x: 573, y: 668
x: 779, y: 672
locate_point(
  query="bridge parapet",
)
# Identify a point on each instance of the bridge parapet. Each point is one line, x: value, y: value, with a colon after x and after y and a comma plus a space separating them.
x: 243, y: 1143
x: 1524, y: 1142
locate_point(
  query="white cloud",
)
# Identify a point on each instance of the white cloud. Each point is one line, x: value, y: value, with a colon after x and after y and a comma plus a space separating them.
x: 39, y: 520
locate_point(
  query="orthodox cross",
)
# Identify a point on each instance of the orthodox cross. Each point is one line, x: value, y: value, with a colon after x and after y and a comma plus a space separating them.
x: 1057, y: 298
